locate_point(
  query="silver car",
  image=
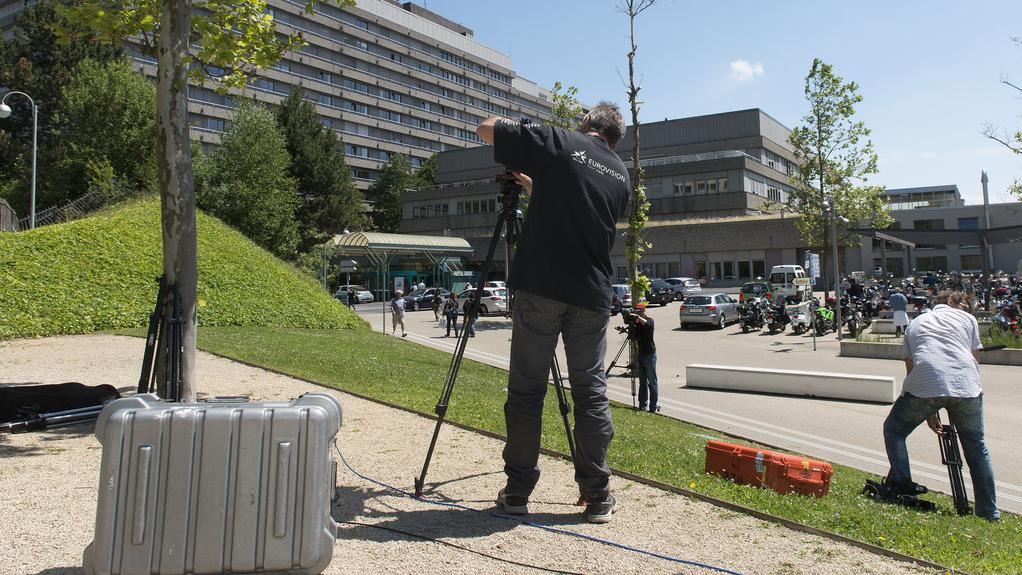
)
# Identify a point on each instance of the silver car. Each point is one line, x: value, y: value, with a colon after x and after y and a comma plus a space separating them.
x: 684, y: 286
x: 716, y: 309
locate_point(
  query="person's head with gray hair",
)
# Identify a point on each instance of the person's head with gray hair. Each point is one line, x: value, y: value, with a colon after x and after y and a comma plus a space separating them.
x: 955, y: 299
x: 605, y: 119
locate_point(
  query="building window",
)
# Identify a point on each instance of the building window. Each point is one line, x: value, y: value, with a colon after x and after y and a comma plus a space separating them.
x: 701, y: 187
x: 774, y: 195
x: 722, y: 185
x: 968, y: 223
x: 758, y: 268
x: 972, y: 263
x: 744, y: 270
x: 712, y: 186
x: 688, y: 188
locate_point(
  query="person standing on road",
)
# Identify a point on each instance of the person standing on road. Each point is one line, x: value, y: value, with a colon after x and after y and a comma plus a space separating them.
x: 451, y: 313
x: 579, y: 188
x: 470, y: 309
x: 397, y: 305
x: 941, y: 357
x: 352, y: 296
x: 436, y: 306
x: 899, y: 305
x: 642, y: 333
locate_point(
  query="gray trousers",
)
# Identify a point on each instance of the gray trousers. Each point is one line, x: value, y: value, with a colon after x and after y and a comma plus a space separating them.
x: 537, y: 323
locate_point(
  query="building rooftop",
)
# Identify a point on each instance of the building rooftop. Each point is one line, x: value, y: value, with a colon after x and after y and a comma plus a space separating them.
x: 921, y: 190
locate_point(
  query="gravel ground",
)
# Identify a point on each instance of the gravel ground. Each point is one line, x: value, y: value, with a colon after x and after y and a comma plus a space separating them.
x: 48, y: 481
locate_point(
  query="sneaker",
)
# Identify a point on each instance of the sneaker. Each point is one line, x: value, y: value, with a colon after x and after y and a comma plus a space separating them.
x: 600, y: 510
x: 512, y: 504
x: 404, y: 335
x: 655, y: 409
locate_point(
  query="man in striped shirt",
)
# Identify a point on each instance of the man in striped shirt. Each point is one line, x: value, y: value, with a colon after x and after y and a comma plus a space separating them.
x: 941, y: 356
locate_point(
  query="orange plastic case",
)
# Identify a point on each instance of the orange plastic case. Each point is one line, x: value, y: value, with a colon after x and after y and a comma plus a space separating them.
x: 761, y: 468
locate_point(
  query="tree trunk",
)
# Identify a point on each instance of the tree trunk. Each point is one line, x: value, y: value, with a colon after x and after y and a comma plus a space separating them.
x: 177, y: 190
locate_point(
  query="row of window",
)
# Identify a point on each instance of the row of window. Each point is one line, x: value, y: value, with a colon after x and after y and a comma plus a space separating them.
x: 430, y: 210
x: 701, y: 187
x: 476, y: 207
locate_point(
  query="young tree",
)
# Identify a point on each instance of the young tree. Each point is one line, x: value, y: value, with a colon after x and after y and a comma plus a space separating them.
x: 330, y: 202
x: 394, y: 178
x: 249, y: 186
x: 223, y: 38
x: 834, y: 158
x: 567, y: 111
x: 32, y: 61
x: 635, y: 245
x: 1012, y: 141
x: 425, y: 176
x: 109, y: 119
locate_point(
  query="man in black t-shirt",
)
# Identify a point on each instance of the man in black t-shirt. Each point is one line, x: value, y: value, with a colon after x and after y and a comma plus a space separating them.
x: 642, y: 333
x: 579, y: 188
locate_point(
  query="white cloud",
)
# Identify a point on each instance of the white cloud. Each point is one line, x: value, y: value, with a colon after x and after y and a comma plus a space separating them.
x: 742, y: 71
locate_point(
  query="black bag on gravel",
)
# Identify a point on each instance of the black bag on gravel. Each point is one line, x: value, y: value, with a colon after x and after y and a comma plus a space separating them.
x: 19, y: 402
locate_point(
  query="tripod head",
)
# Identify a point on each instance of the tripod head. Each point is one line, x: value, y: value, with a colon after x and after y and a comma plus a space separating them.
x: 510, y: 199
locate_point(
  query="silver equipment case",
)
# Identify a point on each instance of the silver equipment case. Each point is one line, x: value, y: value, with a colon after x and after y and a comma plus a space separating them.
x: 215, y: 487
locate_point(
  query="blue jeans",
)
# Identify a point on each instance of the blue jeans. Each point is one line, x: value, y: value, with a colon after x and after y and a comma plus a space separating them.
x: 967, y: 416
x: 537, y: 323
x: 648, y: 386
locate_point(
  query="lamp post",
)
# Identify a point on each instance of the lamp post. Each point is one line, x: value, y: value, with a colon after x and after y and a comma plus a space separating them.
x: 5, y: 111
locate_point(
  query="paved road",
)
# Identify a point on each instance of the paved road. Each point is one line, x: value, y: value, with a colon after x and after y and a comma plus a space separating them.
x: 839, y: 431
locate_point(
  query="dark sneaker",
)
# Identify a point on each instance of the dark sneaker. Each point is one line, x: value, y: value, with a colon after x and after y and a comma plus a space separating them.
x: 512, y: 504
x: 599, y: 511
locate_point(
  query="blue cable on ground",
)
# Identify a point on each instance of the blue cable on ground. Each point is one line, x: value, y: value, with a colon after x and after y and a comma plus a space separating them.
x: 536, y: 525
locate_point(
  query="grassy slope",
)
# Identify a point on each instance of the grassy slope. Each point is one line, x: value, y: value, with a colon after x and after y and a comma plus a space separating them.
x: 99, y: 273
x: 395, y: 371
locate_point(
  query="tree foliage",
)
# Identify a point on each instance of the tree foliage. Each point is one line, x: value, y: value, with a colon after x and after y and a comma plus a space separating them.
x: 635, y: 245
x: 246, y: 182
x: 567, y: 111
x: 834, y: 160
x: 425, y: 176
x: 330, y: 202
x: 1010, y: 140
x: 31, y: 61
x: 109, y: 127
x: 394, y: 178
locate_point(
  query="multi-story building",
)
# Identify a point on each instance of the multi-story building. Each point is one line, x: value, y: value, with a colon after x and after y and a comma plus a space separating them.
x: 717, y: 186
x: 389, y: 77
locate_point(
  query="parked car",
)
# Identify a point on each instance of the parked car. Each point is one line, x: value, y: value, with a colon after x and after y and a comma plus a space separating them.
x: 684, y: 286
x: 660, y: 292
x: 493, y: 300
x: 495, y: 284
x: 754, y: 289
x: 716, y: 309
x: 362, y: 294
x: 621, y: 297
x: 424, y: 298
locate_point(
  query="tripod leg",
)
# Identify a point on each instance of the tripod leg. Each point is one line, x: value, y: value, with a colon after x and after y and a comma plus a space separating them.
x: 459, y: 353
x: 631, y: 364
x: 565, y: 407
x: 617, y: 356
x: 145, y: 379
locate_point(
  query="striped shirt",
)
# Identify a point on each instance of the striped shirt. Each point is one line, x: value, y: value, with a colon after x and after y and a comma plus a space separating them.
x: 940, y: 345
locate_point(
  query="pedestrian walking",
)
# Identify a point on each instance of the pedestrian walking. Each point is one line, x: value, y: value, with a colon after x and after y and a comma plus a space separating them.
x: 451, y: 313
x: 899, y: 305
x: 397, y: 305
x: 352, y: 296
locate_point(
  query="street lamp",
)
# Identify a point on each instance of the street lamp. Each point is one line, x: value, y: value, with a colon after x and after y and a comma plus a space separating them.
x: 5, y: 111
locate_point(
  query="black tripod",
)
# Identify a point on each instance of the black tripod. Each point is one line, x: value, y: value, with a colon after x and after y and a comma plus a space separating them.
x: 510, y: 220
x: 163, y: 343
x: 628, y: 344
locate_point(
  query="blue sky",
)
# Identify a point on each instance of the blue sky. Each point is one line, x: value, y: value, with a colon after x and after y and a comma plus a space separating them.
x: 929, y: 71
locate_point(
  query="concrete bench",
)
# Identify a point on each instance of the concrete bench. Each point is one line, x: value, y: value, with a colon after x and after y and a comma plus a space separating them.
x: 873, y: 388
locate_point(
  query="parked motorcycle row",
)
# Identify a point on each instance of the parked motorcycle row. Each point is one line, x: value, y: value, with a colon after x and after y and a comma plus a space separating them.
x: 863, y: 301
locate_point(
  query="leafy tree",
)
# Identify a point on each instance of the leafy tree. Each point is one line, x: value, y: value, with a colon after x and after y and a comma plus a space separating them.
x: 834, y: 158
x: 1012, y: 141
x: 330, y: 202
x: 635, y: 245
x: 425, y: 176
x: 32, y: 61
x: 109, y: 119
x: 394, y: 178
x: 248, y: 184
x: 567, y: 111
x: 222, y: 39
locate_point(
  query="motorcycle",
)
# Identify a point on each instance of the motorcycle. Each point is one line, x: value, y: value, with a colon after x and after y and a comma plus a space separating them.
x: 1007, y: 318
x: 823, y: 318
x: 750, y: 314
x: 851, y: 316
x: 777, y: 317
x: 801, y: 321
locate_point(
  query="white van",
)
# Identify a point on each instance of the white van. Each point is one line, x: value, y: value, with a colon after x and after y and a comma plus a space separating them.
x: 782, y: 283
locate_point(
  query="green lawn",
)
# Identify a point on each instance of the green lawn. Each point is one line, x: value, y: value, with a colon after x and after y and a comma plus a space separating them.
x: 660, y: 448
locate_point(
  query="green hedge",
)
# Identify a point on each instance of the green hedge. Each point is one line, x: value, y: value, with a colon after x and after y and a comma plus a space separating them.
x: 99, y: 273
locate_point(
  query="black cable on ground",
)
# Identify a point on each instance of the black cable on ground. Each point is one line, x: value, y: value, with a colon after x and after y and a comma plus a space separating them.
x: 456, y: 546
